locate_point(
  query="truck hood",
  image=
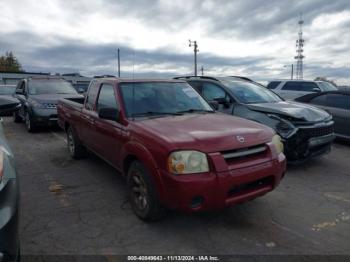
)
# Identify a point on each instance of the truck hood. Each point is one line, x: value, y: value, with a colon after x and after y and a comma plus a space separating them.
x: 295, y: 110
x: 203, y: 132
x: 53, y: 98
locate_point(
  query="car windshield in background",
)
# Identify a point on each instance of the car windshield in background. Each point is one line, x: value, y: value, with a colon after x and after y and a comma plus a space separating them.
x: 250, y: 93
x: 7, y: 90
x: 327, y: 86
x: 50, y: 87
x: 161, y: 98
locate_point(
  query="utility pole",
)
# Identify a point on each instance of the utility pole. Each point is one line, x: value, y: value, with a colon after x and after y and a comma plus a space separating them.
x: 292, y: 70
x: 202, y: 69
x: 118, y: 62
x: 195, y: 50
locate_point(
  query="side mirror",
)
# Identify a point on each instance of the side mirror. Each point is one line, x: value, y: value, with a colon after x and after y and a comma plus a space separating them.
x: 214, y: 104
x: 223, y: 101
x: 316, y: 89
x: 19, y: 92
x: 108, y: 113
x: 81, y: 90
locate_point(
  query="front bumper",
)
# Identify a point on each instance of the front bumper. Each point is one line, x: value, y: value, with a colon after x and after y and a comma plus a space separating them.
x: 212, y: 191
x: 309, y: 142
x: 9, y: 241
x: 44, y: 117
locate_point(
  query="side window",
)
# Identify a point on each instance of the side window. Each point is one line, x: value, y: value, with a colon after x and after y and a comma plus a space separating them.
x: 211, y: 92
x: 319, y: 100
x: 273, y: 84
x: 338, y: 101
x: 292, y: 86
x: 106, y: 98
x: 91, y: 95
x: 310, y: 87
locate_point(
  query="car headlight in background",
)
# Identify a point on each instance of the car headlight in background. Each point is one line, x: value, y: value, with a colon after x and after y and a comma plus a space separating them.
x: 277, y: 142
x: 187, y: 162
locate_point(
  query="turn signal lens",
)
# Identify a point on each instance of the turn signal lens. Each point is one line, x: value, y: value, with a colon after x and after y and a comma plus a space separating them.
x: 277, y: 142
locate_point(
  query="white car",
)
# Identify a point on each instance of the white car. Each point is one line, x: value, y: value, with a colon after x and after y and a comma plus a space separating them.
x: 291, y: 89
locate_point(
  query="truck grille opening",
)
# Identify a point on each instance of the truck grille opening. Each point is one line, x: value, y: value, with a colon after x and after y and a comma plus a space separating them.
x: 244, y: 152
x: 251, y: 186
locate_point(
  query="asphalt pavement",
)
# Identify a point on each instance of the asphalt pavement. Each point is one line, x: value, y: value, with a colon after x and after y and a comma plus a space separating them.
x: 79, y: 207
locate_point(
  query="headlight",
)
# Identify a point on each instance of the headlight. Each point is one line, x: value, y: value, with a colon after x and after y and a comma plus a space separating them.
x: 35, y: 103
x: 187, y: 162
x: 283, y: 127
x: 276, y: 141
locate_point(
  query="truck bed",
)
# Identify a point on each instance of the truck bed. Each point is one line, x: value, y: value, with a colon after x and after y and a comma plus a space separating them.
x: 69, y: 110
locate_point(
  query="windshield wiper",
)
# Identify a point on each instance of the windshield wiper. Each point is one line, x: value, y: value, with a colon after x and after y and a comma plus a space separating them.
x: 155, y: 113
x: 193, y: 110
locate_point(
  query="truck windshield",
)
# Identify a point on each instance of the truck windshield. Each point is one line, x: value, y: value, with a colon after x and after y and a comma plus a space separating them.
x: 161, y: 98
x: 326, y: 86
x: 50, y: 87
x: 250, y: 93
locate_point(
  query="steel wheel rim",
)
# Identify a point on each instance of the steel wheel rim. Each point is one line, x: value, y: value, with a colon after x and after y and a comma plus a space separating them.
x: 139, y: 191
x: 70, y: 142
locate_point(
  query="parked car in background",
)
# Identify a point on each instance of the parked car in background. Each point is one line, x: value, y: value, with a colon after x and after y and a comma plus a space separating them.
x: 305, y: 130
x: 8, y: 103
x: 9, y: 199
x: 337, y: 103
x: 174, y: 149
x: 291, y: 89
x: 38, y: 97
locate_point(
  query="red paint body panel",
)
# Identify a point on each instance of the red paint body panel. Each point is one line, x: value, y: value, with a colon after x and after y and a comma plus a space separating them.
x: 152, y: 140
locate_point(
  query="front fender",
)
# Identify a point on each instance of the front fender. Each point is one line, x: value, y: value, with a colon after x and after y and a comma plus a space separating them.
x: 140, y: 152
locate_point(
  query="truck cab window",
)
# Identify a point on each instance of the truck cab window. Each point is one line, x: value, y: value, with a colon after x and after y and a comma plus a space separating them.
x: 106, y: 98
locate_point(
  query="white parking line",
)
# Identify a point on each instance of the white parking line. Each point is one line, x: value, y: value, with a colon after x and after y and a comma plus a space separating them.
x: 59, y: 136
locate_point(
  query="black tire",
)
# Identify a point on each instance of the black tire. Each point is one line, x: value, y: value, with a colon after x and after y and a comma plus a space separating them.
x: 142, y: 193
x: 75, y: 148
x: 30, y: 124
x: 16, y: 117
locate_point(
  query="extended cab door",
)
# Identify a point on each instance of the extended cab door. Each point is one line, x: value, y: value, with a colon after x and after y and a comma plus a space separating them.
x: 87, y: 128
x: 108, y: 132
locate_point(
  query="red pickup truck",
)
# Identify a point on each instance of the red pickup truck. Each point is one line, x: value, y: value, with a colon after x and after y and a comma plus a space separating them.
x: 175, y: 151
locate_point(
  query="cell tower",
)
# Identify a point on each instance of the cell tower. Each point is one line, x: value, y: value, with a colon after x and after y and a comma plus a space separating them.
x: 299, y: 46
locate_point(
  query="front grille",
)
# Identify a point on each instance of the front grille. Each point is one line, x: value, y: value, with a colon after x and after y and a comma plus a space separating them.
x: 317, y: 131
x: 244, y: 152
x: 50, y: 105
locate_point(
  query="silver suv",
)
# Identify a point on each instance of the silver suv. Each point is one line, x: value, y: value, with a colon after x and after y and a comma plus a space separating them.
x: 291, y: 89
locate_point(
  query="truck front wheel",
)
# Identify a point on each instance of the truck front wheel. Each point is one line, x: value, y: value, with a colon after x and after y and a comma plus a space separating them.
x: 142, y: 193
x: 75, y: 148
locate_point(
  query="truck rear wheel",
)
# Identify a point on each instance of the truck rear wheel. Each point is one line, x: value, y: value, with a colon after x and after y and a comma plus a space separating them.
x: 142, y: 193
x: 75, y: 148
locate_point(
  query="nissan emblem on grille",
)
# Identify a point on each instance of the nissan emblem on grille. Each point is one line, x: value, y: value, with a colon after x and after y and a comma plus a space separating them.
x: 240, y: 139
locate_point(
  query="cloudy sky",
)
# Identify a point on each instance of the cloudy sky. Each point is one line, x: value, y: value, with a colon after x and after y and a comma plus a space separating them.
x: 254, y: 38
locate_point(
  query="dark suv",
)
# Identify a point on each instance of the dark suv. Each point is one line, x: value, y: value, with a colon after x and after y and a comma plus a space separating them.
x: 305, y: 130
x: 38, y: 97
